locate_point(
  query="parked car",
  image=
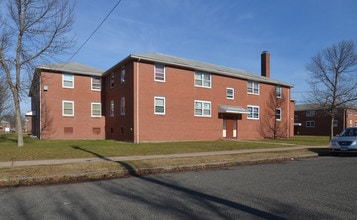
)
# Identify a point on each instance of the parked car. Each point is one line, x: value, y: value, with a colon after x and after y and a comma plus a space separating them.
x: 346, y: 141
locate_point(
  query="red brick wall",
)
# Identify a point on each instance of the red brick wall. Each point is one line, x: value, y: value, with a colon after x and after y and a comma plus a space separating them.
x: 119, y: 127
x: 81, y: 125
x: 179, y: 122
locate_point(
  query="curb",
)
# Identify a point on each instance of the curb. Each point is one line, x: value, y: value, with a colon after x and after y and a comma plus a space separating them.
x: 96, y: 176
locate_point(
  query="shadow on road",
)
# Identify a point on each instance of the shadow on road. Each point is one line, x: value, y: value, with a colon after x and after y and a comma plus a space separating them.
x: 327, y: 152
x: 191, y: 193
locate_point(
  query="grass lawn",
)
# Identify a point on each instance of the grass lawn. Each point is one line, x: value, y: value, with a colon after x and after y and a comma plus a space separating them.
x: 35, y: 149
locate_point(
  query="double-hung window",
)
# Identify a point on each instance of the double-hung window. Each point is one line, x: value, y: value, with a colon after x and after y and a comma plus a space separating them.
x: 96, y: 109
x: 122, y: 76
x: 278, y: 114
x: 203, y: 108
x: 159, y: 74
x: 111, y: 108
x: 278, y: 91
x: 67, y: 80
x: 310, y: 124
x: 310, y: 113
x: 67, y: 108
x: 253, y: 112
x: 203, y: 79
x: 96, y: 83
x: 111, y: 80
x: 159, y: 105
x: 253, y: 87
x: 230, y: 93
x: 122, y: 105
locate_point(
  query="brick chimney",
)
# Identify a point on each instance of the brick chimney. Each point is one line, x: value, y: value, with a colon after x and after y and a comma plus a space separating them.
x: 265, y: 68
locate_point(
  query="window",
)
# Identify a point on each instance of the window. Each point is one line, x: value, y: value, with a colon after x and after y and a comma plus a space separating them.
x: 159, y: 105
x: 111, y: 80
x: 111, y: 108
x: 67, y: 108
x: 253, y: 87
x: 122, y: 106
x: 310, y: 113
x: 278, y: 114
x: 202, y: 108
x: 253, y: 112
x: 310, y: 124
x: 67, y: 80
x: 278, y: 91
x: 335, y: 123
x: 203, y: 79
x: 159, y: 73
x: 96, y: 109
x: 122, y: 76
x: 96, y: 83
x: 230, y: 93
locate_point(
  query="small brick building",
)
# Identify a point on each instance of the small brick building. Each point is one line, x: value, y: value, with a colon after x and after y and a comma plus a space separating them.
x: 66, y: 102
x: 310, y: 119
x: 155, y: 97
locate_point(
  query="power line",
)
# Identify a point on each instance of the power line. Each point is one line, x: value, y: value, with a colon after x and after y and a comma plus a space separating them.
x: 96, y: 29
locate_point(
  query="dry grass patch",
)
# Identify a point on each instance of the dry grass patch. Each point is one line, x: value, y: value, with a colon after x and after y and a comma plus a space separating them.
x: 26, y: 175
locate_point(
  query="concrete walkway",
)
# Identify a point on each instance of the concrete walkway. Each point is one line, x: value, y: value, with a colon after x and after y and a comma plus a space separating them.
x: 146, y: 157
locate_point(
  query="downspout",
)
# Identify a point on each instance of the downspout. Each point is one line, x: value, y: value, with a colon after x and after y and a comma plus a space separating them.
x: 289, y: 119
x: 40, y: 110
x: 137, y: 102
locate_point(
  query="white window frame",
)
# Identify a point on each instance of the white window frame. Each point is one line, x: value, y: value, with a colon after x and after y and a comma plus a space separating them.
x: 158, y: 76
x: 201, y: 81
x: 94, y: 86
x: 310, y: 124
x: 63, y: 107
x: 278, y: 117
x: 159, y: 98
x: 203, y: 108
x: 65, y: 80
x: 252, y: 113
x: 310, y: 113
x: 279, y: 91
x: 122, y: 75
x: 122, y: 105
x: 253, y: 87
x: 111, y: 108
x: 228, y: 95
x: 92, y: 109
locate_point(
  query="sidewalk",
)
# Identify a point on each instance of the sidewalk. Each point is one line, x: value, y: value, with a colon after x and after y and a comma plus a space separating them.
x: 131, y: 158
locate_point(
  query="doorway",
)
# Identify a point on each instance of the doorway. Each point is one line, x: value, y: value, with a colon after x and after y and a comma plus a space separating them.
x: 230, y: 128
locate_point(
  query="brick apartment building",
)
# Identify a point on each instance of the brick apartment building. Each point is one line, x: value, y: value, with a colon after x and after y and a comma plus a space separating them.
x: 310, y: 119
x: 155, y: 97
x: 66, y: 102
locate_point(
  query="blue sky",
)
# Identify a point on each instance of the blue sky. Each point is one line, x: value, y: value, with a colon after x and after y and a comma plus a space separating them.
x: 230, y: 33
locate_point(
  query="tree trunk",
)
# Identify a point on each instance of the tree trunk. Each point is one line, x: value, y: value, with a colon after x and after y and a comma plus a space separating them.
x: 20, y: 139
x: 331, y: 126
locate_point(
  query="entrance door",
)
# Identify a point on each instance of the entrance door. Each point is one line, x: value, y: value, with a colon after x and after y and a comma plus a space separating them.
x: 230, y: 128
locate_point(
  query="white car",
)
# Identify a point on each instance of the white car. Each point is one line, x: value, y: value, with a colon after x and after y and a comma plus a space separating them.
x: 346, y: 141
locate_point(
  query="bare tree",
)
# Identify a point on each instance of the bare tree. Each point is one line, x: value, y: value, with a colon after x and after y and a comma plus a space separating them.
x: 271, y: 124
x: 32, y: 30
x: 333, y: 79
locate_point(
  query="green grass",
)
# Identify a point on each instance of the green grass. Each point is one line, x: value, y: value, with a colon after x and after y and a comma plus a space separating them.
x: 35, y: 149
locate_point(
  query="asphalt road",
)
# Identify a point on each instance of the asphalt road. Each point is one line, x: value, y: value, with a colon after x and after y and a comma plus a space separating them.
x: 319, y: 188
